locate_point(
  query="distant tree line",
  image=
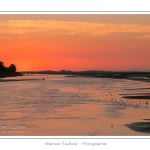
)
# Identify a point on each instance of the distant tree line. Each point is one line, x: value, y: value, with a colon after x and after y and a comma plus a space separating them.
x: 11, y: 68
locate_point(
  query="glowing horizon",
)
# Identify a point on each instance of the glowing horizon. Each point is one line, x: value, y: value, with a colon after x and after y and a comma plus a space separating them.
x: 75, y: 44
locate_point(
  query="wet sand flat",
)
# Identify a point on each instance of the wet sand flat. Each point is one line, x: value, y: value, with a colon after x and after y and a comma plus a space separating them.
x: 73, y: 106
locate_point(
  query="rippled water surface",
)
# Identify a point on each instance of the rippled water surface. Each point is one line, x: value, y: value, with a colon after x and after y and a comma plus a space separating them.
x: 60, y: 105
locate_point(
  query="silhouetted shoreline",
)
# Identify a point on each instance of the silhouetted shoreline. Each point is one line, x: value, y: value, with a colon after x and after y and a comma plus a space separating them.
x: 10, y: 80
x: 130, y: 75
x: 9, y: 74
x: 138, y: 76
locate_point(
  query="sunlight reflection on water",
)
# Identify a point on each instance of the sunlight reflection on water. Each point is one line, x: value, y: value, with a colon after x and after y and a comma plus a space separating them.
x: 62, y: 105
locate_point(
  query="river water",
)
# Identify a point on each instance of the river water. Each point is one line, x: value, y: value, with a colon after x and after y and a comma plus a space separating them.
x: 70, y: 106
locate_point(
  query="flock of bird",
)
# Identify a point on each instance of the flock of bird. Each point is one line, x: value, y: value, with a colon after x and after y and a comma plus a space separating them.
x: 110, y: 94
x: 111, y: 97
x: 116, y: 99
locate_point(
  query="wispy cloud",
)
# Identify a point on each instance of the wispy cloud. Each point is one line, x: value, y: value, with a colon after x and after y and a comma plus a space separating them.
x: 146, y: 36
x: 29, y: 27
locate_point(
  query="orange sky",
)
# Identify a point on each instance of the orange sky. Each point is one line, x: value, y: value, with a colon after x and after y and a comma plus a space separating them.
x: 75, y: 42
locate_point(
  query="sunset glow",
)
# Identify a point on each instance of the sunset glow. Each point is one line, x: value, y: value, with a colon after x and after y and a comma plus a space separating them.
x: 69, y: 43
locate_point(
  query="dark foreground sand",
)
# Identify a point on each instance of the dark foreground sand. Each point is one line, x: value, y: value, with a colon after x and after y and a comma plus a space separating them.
x: 137, y: 96
x: 143, y: 127
x: 10, y: 80
x: 140, y: 126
